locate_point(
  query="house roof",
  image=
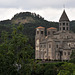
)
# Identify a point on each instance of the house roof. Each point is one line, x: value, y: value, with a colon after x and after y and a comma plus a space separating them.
x: 64, y: 17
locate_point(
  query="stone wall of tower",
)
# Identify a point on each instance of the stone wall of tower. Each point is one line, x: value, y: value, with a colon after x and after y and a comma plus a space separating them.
x: 64, y: 25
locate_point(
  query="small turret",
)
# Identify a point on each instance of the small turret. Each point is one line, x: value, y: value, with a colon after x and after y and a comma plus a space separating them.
x: 40, y: 32
x: 51, y: 31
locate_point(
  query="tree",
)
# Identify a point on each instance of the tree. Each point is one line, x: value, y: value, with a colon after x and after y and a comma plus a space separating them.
x: 67, y: 69
x: 64, y: 72
x: 50, y: 69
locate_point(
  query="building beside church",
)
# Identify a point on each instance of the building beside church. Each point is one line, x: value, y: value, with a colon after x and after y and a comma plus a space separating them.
x: 57, y: 45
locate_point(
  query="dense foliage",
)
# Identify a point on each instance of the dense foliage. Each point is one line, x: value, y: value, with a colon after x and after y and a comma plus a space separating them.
x: 14, y: 51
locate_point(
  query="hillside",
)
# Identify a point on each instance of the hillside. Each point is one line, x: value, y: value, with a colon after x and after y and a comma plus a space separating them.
x: 26, y: 17
x: 30, y: 22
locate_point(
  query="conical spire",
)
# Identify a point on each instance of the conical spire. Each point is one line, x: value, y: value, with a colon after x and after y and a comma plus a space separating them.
x: 64, y: 17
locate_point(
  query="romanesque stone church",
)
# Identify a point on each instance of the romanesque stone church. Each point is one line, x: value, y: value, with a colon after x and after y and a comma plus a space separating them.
x: 57, y: 45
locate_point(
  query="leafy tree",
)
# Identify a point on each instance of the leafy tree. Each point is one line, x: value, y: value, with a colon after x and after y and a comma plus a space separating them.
x: 67, y: 69
x: 7, y: 58
x: 50, y: 72
x: 50, y: 69
x: 64, y: 72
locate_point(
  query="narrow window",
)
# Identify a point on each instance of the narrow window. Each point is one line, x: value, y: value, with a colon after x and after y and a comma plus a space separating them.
x: 37, y: 32
x: 68, y: 53
x: 67, y: 37
x: 64, y: 53
x: 63, y: 23
x: 48, y: 33
x: 44, y: 45
x: 67, y: 28
x: 41, y: 32
x: 63, y: 28
x: 49, y: 46
x: 57, y: 46
x: 67, y: 24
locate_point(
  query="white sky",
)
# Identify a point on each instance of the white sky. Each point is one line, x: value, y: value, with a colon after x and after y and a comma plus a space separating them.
x: 51, y: 10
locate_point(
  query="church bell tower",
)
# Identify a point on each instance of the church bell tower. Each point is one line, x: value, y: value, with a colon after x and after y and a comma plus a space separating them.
x: 64, y: 23
x: 40, y: 35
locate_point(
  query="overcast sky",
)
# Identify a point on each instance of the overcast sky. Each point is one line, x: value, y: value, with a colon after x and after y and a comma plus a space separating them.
x: 51, y: 10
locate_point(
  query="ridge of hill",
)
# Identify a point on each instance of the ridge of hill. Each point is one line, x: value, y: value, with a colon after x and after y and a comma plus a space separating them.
x: 26, y: 17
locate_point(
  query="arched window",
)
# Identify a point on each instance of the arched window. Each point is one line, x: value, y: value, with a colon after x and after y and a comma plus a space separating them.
x: 49, y: 45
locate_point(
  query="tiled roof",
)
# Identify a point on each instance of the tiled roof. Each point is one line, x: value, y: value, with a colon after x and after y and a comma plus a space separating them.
x: 40, y: 27
x: 64, y: 17
x: 51, y: 28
